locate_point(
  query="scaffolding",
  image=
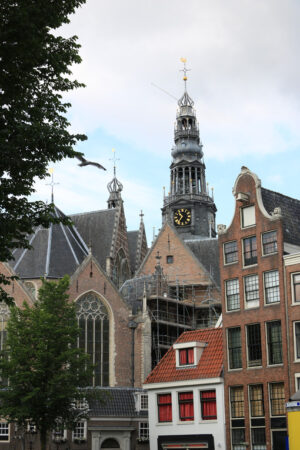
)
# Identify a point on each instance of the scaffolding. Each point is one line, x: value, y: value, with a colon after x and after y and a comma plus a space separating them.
x: 173, y: 307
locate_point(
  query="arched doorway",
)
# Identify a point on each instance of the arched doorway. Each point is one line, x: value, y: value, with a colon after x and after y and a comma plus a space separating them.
x: 110, y: 443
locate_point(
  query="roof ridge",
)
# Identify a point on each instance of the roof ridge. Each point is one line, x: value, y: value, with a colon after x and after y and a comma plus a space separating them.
x: 90, y: 212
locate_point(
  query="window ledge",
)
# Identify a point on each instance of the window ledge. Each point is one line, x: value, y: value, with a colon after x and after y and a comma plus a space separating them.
x: 208, y: 421
x: 185, y: 422
x: 294, y: 304
x: 162, y: 424
x: 250, y: 265
x: 230, y: 264
x: 254, y: 367
x: 271, y: 304
x: 233, y: 310
x: 235, y: 370
x: 269, y: 254
x: 269, y: 366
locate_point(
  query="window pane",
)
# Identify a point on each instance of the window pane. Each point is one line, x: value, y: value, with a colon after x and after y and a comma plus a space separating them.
x: 238, y: 438
x: 144, y: 431
x: 272, y: 294
x: 234, y: 348
x: 277, y: 399
x: 186, y: 406
x: 232, y: 294
x: 269, y: 241
x: 208, y: 405
x: 256, y: 400
x: 274, y: 342
x: 254, y: 345
x: 297, y: 339
x: 4, y: 431
x: 296, y: 287
x: 230, y: 252
x: 237, y: 401
x: 251, y: 289
x: 258, y: 436
x: 250, y: 251
x: 248, y: 216
x: 164, y: 402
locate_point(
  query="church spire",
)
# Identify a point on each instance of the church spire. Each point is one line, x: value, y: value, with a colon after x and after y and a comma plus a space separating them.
x: 114, y: 187
x: 188, y: 206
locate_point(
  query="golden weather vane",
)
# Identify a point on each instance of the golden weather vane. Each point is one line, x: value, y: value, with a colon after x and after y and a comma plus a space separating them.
x: 184, y: 70
x: 114, y: 159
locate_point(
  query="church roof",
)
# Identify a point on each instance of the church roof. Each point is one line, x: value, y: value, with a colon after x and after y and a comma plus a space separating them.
x: 290, y: 209
x: 56, y: 251
x: 132, y: 237
x: 207, y: 253
x: 117, y: 402
x: 96, y: 228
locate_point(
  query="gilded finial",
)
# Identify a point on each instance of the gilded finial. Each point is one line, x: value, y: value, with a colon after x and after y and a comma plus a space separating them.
x: 52, y: 184
x: 184, y: 70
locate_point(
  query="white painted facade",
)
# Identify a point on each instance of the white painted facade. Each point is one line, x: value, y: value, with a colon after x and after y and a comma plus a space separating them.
x: 198, y: 426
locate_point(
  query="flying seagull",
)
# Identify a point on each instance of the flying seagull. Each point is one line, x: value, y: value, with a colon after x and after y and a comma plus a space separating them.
x: 85, y: 162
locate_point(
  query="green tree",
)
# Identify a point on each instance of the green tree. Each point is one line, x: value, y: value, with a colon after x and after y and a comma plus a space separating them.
x: 34, y: 75
x: 47, y: 373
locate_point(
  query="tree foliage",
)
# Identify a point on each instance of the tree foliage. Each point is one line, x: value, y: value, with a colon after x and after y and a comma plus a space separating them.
x: 34, y: 75
x: 45, y: 369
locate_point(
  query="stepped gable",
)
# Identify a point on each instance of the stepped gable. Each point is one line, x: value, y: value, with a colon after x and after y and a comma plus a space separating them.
x: 210, y: 364
x: 56, y: 251
x: 96, y: 228
x: 207, y: 252
x: 290, y: 209
x: 116, y: 402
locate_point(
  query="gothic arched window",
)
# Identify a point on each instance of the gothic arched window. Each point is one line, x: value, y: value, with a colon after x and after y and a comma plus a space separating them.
x: 121, y: 269
x: 93, y: 321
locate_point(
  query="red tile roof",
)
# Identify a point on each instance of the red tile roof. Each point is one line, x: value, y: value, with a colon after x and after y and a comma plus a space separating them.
x: 209, y: 366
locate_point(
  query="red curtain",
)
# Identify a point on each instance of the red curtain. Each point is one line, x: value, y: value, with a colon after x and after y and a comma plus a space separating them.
x: 182, y: 357
x: 186, y: 406
x: 191, y: 356
x: 208, y: 405
x: 165, y: 408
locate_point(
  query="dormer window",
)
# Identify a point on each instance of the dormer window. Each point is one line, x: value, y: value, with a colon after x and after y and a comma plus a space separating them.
x: 186, y: 356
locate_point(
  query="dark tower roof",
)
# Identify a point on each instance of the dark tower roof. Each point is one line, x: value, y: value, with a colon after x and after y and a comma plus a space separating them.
x: 56, y: 251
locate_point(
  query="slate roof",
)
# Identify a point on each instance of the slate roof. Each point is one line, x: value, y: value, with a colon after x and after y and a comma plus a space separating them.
x: 56, y: 251
x: 207, y: 252
x: 96, y: 228
x: 118, y: 402
x: 290, y: 209
x: 132, y: 237
x: 210, y: 364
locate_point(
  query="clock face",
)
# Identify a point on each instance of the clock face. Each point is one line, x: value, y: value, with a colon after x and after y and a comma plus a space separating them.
x: 182, y: 217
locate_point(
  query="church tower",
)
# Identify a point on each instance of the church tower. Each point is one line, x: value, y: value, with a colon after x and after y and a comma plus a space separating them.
x: 188, y: 206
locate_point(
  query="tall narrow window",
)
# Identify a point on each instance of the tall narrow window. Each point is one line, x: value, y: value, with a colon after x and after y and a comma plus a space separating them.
x: 248, y: 216
x: 230, y: 252
x: 254, y: 345
x: 251, y: 291
x: 269, y: 242
x: 256, y: 400
x: 274, y: 342
x: 164, y: 403
x: 277, y: 399
x: 250, y: 251
x: 232, y: 294
x: 186, y: 406
x: 258, y: 437
x: 296, y: 287
x: 234, y: 348
x: 297, y: 339
x: 208, y: 405
x: 238, y: 439
x: 94, y: 337
x: 237, y: 402
x: 271, y: 282
x: 186, y: 356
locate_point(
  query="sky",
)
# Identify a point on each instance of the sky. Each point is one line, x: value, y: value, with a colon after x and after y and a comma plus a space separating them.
x: 244, y: 63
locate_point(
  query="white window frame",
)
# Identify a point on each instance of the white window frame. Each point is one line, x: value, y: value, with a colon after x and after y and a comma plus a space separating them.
x: 143, y: 430
x: 227, y: 348
x: 296, y: 358
x: 250, y: 219
x: 61, y: 438
x: 4, y: 425
x: 243, y: 255
x: 270, y: 403
x: 297, y: 377
x: 224, y: 253
x: 292, y: 288
x: 74, y: 432
x: 143, y: 400
x: 226, y: 298
x: 264, y: 286
x: 267, y: 343
x: 252, y: 303
x: 262, y: 244
x: 247, y: 346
